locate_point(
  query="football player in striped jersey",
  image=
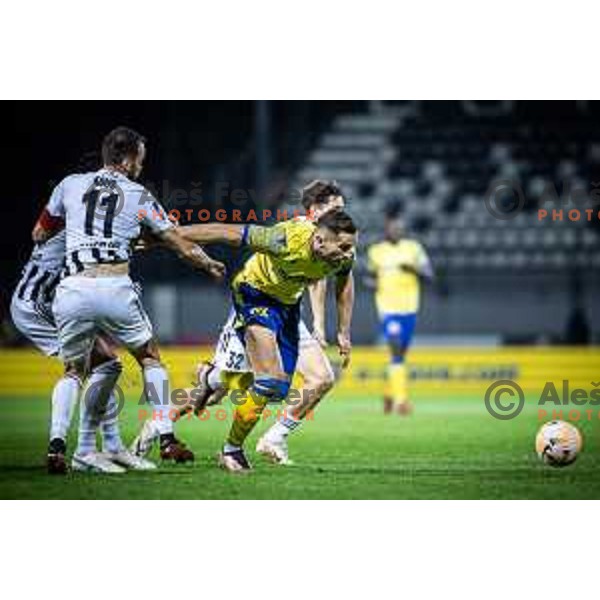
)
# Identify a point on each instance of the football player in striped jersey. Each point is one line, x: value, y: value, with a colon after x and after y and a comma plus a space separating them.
x: 31, y: 311
x: 103, y: 212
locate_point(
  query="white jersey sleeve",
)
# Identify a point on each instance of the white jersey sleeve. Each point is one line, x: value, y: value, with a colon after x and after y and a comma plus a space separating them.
x: 55, y: 205
x: 153, y: 215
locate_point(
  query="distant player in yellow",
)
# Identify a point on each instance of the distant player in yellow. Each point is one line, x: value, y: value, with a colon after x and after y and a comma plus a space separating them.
x: 396, y: 267
x: 266, y: 294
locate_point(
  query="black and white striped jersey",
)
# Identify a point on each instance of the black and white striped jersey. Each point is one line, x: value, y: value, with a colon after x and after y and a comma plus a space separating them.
x: 103, y: 212
x: 43, y: 271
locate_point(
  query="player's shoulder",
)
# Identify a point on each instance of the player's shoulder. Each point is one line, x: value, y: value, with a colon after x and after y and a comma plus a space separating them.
x: 413, y: 244
x: 72, y: 179
x: 297, y: 229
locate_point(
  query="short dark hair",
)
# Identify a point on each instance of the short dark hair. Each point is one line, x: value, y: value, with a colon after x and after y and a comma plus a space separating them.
x: 119, y: 144
x: 319, y: 191
x: 337, y: 221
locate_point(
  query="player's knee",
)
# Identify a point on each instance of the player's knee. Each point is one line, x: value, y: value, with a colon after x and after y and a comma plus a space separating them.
x: 71, y: 373
x: 147, y: 354
x: 76, y: 369
x: 321, y: 383
x: 151, y: 363
x: 273, y: 389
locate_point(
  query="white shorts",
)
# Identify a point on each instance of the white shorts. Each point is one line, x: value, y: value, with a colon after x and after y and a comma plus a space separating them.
x: 86, y: 306
x: 230, y: 354
x: 36, y: 322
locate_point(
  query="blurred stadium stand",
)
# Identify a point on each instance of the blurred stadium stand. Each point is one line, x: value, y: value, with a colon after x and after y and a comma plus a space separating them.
x: 437, y: 161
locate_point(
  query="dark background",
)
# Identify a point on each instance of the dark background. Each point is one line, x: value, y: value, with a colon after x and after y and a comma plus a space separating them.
x: 268, y: 147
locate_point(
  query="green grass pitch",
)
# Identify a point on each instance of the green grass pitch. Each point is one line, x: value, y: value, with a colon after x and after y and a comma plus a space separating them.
x: 449, y: 448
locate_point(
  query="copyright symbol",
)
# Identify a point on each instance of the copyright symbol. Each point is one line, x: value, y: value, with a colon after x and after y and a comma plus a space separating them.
x: 498, y: 405
x: 103, y: 410
x: 104, y: 202
x: 109, y: 203
x: 112, y: 412
x: 501, y: 210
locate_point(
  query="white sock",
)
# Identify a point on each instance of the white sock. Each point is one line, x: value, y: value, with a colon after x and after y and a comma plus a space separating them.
x: 284, y: 426
x: 94, y: 402
x: 214, y: 379
x: 64, y: 398
x: 156, y: 387
x: 111, y: 436
x: 229, y: 448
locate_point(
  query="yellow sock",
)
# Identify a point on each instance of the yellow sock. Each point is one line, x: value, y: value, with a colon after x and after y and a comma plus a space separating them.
x: 245, y: 418
x: 398, y: 382
x: 234, y: 380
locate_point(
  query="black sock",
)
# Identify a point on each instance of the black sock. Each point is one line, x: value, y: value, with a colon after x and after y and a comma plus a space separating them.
x: 166, y: 439
x: 57, y: 446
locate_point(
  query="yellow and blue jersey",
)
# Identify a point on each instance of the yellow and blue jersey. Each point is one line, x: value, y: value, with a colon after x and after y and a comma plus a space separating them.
x: 398, y: 290
x: 268, y: 289
x: 283, y: 264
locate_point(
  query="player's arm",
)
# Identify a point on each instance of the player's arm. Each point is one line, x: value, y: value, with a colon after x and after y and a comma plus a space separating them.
x: 317, y: 292
x: 214, y: 233
x: 270, y: 240
x: 52, y: 218
x: 170, y: 236
x: 344, y: 296
x: 422, y: 265
x: 46, y: 226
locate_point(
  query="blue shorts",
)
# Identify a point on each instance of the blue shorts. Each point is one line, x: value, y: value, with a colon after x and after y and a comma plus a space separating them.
x: 398, y: 330
x: 254, y: 307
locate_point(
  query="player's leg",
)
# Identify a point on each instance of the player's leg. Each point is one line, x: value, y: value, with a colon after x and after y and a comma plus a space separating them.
x: 271, y: 384
x: 157, y: 391
x: 121, y: 316
x: 400, y: 330
x: 39, y: 327
x: 65, y: 395
x: 75, y: 308
x: 317, y: 380
x: 228, y: 369
x: 100, y: 398
x: 38, y: 324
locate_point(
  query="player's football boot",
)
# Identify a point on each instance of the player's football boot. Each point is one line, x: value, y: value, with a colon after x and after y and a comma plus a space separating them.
x: 173, y: 449
x: 388, y: 405
x: 56, y: 461
x: 94, y: 462
x: 404, y: 409
x: 234, y: 462
x: 274, y: 450
x: 129, y: 460
x: 146, y: 438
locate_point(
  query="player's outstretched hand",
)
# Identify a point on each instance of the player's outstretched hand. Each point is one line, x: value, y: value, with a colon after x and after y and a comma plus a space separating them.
x: 204, y: 262
x: 215, y: 269
x: 344, y: 347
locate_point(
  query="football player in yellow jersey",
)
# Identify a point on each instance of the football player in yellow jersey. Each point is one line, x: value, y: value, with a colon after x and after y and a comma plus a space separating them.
x: 266, y: 294
x: 396, y: 267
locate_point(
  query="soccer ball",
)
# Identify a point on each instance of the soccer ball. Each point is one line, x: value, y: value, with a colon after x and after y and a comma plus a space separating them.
x: 558, y: 443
